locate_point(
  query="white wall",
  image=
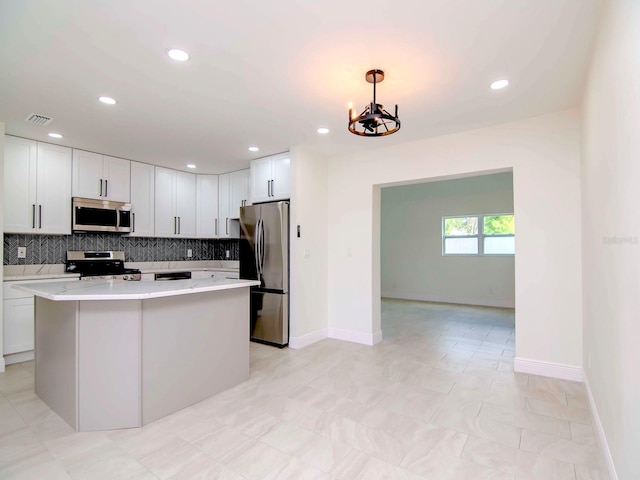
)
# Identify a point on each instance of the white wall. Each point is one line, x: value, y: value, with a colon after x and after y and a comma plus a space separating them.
x: 611, y: 232
x: 544, y: 155
x: 308, y: 299
x: 2, y: 245
x: 412, y: 265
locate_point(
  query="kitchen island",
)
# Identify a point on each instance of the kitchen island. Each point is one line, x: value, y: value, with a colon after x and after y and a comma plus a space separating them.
x: 115, y: 354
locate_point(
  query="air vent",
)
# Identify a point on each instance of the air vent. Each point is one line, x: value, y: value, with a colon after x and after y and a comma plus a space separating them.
x: 37, y: 119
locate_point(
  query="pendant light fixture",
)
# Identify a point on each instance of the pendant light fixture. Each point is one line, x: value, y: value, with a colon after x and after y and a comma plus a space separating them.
x: 374, y: 121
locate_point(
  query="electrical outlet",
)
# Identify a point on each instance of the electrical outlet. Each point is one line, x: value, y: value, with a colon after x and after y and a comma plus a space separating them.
x: 189, y: 253
x: 227, y: 254
x: 22, y: 252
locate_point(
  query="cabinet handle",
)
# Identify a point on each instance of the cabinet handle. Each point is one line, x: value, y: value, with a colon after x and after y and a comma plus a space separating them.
x: 227, y: 225
x: 178, y: 225
x: 269, y: 188
x: 33, y: 216
x: 39, y: 216
x: 216, y: 234
x: 133, y: 226
x: 100, y: 187
x: 175, y: 225
x: 106, y: 188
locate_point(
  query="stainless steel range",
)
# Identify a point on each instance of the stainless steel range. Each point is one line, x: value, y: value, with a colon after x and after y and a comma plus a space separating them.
x: 103, y: 265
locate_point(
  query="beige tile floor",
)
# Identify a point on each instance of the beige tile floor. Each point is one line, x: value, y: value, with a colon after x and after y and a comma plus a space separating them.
x: 437, y: 399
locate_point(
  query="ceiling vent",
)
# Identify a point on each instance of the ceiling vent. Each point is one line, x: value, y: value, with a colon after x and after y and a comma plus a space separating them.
x: 37, y: 119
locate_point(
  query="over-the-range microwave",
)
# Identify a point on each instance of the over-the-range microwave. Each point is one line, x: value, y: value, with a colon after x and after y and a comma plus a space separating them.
x: 90, y: 215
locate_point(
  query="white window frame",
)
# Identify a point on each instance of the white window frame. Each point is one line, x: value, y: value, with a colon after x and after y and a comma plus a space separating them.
x: 479, y: 236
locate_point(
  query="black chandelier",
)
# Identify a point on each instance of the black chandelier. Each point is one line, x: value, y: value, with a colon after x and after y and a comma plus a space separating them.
x: 374, y: 121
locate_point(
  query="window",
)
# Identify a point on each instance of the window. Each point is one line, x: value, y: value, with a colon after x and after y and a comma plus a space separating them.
x: 478, y: 235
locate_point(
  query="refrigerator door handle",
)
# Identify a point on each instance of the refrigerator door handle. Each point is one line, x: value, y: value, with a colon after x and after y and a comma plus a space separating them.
x: 261, y: 245
x: 256, y: 248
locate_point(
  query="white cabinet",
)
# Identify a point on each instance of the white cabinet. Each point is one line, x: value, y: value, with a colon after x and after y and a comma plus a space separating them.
x: 207, y: 223
x: 142, y: 199
x: 224, y: 204
x: 239, y: 191
x: 100, y: 176
x: 270, y: 178
x: 232, y: 194
x: 175, y: 203
x: 37, y: 181
x: 17, y: 316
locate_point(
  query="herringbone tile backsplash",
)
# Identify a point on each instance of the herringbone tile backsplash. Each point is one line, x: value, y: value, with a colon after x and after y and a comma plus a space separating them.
x: 47, y: 249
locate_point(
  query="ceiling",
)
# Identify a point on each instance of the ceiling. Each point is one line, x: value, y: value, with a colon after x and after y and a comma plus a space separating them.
x: 270, y: 73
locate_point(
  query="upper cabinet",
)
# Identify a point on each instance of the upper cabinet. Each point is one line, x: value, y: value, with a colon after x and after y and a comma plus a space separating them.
x: 37, y: 181
x: 100, y: 176
x: 175, y: 203
x: 142, y: 199
x: 239, y: 181
x: 270, y: 178
x: 207, y: 223
x: 232, y: 194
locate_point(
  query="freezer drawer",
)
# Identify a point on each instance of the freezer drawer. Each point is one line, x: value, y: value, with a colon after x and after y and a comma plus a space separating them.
x: 270, y: 318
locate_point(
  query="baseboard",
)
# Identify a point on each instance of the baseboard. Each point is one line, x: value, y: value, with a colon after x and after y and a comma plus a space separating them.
x: 356, y: 337
x: 548, y: 369
x: 597, y: 426
x: 18, y: 357
x: 482, y: 302
x: 308, y: 339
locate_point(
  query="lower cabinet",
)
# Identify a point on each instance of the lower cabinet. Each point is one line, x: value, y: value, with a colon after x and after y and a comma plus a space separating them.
x: 18, y: 315
x: 18, y: 325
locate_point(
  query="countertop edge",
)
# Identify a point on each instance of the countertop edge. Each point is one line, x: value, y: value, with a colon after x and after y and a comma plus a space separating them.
x: 217, y: 286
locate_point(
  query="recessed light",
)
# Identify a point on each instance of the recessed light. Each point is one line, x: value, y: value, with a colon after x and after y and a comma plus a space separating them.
x: 253, y: 148
x: 190, y: 165
x: 178, y: 55
x: 498, y: 84
x: 322, y: 130
x: 107, y: 100
x: 55, y: 135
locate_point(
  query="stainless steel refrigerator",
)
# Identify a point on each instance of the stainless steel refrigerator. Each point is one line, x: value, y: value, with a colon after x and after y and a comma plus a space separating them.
x: 264, y: 256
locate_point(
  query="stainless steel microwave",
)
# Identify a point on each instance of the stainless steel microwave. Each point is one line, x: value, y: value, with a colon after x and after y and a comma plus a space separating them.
x: 90, y: 215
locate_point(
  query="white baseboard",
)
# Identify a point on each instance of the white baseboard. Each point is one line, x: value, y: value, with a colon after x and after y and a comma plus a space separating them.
x: 356, y: 337
x: 18, y: 357
x: 482, y: 302
x: 548, y: 369
x: 308, y: 339
x: 597, y: 426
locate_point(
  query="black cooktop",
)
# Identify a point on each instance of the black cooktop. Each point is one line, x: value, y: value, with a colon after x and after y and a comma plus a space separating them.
x: 94, y: 263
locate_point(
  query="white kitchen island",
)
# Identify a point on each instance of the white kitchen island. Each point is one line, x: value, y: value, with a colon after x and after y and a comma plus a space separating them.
x: 116, y: 354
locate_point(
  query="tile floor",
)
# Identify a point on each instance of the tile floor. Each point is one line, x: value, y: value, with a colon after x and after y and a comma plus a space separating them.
x: 437, y: 399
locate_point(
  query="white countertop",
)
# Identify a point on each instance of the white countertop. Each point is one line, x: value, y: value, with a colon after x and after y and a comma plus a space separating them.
x: 54, y: 271
x: 123, y: 290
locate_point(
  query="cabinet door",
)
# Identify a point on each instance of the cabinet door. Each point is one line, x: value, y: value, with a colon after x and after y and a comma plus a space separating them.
x: 224, y: 198
x: 165, y: 195
x: 239, y: 191
x: 142, y: 199
x: 186, y: 204
x: 117, y: 177
x: 18, y: 325
x: 207, y: 206
x: 20, y: 169
x: 260, y: 178
x: 87, y: 175
x: 54, y: 189
x: 281, y: 176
